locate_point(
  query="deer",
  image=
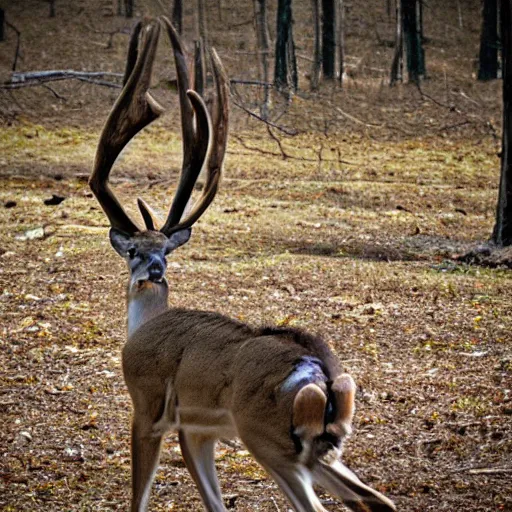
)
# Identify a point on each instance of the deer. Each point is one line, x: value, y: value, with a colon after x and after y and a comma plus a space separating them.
x: 203, y: 375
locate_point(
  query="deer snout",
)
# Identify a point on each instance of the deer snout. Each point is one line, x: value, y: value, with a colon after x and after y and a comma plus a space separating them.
x: 156, y: 271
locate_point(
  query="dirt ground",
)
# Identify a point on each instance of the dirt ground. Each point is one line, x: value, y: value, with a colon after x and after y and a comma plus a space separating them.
x: 350, y: 230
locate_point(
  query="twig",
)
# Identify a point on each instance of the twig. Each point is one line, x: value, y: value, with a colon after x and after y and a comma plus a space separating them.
x: 452, y: 108
x: 489, y: 471
x: 18, y: 37
x: 110, y: 34
x: 54, y: 92
x: 251, y: 82
x: 103, y: 83
x: 453, y: 126
x: 278, y: 142
x: 356, y: 120
x: 291, y: 157
x: 288, y: 131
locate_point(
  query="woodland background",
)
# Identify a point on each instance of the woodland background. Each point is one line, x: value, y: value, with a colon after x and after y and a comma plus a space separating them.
x: 347, y: 218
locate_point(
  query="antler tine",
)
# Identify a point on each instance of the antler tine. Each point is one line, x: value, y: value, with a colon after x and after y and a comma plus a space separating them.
x: 134, y: 109
x: 189, y: 174
x: 215, y: 156
x: 182, y: 76
x: 133, y: 52
x: 196, y: 136
x: 220, y: 115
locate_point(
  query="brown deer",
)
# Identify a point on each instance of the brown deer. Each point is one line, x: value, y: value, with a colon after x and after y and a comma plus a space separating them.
x: 199, y: 373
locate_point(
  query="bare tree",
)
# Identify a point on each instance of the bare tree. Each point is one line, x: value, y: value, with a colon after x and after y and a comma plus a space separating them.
x: 397, y: 65
x: 202, y: 29
x: 412, y: 20
x: 263, y: 42
x: 285, y: 74
x: 328, y: 39
x: 340, y: 38
x: 2, y: 24
x: 52, y: 8
x: 488, y: 58
x: 317, y: 52
x: 199, y: 68
x: 129, y: 8
x: 409, y: 30
x: 502, y: 234
x: 177, y: 15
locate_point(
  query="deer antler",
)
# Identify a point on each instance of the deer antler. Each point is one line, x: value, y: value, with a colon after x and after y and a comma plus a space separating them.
x: 197, y: 149
x: 134, y: 109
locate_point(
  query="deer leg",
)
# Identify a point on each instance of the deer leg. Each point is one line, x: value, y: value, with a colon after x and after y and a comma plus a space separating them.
x: 145, y: 455
x: 293, y: 478
x: 341, y: 482
x: 198, y: 453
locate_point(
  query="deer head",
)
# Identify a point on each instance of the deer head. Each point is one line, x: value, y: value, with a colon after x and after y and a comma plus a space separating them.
x: 204, y: 146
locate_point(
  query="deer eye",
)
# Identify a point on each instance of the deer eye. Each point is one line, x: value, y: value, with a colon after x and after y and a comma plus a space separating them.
x: 132, y: 252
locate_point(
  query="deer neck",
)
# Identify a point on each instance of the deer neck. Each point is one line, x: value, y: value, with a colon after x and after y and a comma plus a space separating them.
x: 146, y: 300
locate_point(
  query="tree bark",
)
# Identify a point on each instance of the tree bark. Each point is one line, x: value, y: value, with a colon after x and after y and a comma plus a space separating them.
x: 488, y: 58
x: 328, y: 39
x: 293, y: 78
x: 284, y: 33
x: 340, y: 39
x: 317, y: 52
x: 263, y: 44
x: 2, y: 24
x: 199, y: 68
x: 52, y: 8
x: 413, y: 40
x: 177, y: 15
x: 502, y: 234
x: 128, y: 8
x: 397, y: 65
x: 201, y: 23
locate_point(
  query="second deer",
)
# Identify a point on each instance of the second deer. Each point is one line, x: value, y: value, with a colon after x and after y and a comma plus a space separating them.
x: 204, y: 375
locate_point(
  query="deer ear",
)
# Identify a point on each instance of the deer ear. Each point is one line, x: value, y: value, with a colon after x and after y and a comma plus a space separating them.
x: 177, y: 239
x: 120, y: 241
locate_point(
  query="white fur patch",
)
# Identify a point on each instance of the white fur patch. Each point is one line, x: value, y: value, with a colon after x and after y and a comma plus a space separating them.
x: 306, y: 372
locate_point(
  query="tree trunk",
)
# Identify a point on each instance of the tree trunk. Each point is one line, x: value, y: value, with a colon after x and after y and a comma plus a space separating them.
x: 397, y: 65
x: 328, y: 39
x: 2, y: 24
x: 199, y: 68
x: 284, y: 23
x: 201, y: 23
x: 317, y: 52
x: 413, y: 42
x: 340, y: 38
x: 502, y: 234
x: 488, y: 58
x: 293, y: 77
x: 177, y: 15
x: 52, y: 8
x: 263, y: 44
x: 128, y: 8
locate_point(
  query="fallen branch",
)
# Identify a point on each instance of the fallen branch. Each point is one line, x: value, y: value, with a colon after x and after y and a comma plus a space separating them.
x: 356, y: 120
x: 60, y: 74
x: 40, y: 78
x: 251, y: 82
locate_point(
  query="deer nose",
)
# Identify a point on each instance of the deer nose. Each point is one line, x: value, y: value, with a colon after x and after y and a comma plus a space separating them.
x: 156, y: 272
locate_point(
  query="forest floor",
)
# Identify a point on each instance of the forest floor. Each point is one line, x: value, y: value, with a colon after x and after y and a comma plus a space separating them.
x: 351, y: 229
